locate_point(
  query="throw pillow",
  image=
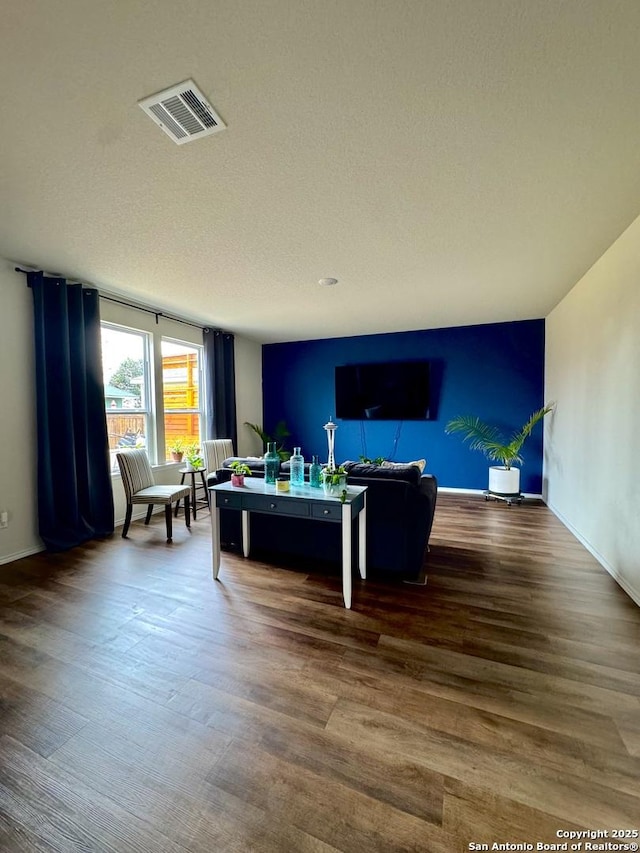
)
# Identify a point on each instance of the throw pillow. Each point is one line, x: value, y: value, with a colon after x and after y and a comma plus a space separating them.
x: 419, y: 463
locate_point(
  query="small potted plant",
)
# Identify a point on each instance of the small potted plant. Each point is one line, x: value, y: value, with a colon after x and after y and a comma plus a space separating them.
x: 334, y: 481
x: 176, y: 449
x: 193, y: 458
x: 240, y: 471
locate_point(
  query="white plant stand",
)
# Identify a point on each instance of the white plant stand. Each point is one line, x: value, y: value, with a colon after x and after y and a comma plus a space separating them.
x: 504, y: 485
x: 508, y: 499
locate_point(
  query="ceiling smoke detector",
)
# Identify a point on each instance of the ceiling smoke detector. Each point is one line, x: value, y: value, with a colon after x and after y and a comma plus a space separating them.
x: 183, y: 113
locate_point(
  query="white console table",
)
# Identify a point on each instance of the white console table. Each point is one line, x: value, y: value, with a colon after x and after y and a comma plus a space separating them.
x: 300, y: 502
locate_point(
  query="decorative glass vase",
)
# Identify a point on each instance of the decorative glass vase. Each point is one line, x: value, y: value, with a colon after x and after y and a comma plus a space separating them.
x: 271, y: 464
x: 314, y: 473
x: 296, y: 468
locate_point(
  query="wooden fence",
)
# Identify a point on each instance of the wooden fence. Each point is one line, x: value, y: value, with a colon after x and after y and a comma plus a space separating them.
x: 123, y: 424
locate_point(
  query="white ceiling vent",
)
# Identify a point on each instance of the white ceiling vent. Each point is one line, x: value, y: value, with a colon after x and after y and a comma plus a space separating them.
x: 183, y: 112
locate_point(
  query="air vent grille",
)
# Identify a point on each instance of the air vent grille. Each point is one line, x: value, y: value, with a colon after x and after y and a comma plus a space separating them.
x: 183, y: 113
x: 165, y: 121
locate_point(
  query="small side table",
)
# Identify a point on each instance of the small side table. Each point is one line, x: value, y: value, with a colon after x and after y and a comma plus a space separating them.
x: 195, y: 500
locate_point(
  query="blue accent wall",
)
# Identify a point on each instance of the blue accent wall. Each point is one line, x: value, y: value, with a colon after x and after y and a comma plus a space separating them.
x: 495, y: 371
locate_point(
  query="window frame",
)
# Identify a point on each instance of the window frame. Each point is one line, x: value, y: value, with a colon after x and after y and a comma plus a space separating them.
x: 200, y: 410
x: 154, y: 411
x: 148, y: 410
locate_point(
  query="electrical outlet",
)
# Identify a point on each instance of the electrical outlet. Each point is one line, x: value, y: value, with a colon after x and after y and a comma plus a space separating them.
x: 4, y: 519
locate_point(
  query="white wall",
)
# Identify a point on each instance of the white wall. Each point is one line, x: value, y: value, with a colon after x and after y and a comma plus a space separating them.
x: 17, y: 417
x: 592, y: 460
x: 17, y: 406
x: 248, y: 355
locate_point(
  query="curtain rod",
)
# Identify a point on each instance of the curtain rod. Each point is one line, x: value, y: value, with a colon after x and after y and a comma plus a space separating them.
x: 156, y: 314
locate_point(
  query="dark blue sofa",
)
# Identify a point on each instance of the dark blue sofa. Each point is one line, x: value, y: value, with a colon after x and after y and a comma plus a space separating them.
x: 400, y: 508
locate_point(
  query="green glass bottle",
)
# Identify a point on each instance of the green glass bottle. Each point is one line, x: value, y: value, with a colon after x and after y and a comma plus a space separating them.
x: 271, y: 464
x: 314, y: 473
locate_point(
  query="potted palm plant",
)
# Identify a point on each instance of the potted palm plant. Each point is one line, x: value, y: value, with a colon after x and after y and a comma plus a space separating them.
x: 279, y: 435
x: 504, y: 479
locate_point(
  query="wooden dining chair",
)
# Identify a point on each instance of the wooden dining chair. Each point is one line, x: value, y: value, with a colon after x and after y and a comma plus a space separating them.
x: 140, y: 488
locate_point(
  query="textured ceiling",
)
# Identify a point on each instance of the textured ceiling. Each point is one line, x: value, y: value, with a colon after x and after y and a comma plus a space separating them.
x: 449, y: 161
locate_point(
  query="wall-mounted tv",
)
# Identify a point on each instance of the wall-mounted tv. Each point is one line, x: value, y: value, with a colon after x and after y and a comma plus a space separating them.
x: 383, y: 391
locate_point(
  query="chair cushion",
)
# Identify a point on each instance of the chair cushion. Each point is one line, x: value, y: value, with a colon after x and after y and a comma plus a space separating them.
x: 160, y: 494
x: 135, y: 470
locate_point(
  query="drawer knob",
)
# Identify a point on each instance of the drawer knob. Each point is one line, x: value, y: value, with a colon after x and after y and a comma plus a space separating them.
x: 272, y: 506
x: 325, y: 512
x: 226, y: 500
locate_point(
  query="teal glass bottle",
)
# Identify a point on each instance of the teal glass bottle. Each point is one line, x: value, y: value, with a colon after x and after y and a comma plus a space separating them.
x: 296, y: 468
x: 314, y: 472
x: 271, y: 464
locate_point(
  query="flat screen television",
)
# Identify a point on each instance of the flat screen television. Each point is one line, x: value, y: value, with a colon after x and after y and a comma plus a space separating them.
x: 383, y: 391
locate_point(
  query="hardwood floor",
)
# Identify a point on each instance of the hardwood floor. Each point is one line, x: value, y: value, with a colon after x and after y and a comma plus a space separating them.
x: 147, y: 708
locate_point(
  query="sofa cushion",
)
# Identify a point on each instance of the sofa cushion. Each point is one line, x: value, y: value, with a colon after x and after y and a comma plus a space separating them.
x: 223, y: 475
x: 363, y: 470
x: 255, y: 465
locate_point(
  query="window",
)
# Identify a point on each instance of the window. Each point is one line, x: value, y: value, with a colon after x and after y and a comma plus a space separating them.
x: 126, y: 371
x: 134, y: 364
x: 181, y: 394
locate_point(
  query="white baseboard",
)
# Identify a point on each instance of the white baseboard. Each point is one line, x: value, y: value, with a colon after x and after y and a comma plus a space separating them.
x: 633, y: 593
x: 450, y: 490
x: 18, y: 555
x: 37, y: 549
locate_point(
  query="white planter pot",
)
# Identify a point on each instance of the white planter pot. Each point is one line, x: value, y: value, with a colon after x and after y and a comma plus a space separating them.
x: 335, y: 489
x: 504, y: 481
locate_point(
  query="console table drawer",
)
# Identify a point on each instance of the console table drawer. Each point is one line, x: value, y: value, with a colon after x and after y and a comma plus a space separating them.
x: 230, y: 501
x: 329, y: 513
x: 278, y: 506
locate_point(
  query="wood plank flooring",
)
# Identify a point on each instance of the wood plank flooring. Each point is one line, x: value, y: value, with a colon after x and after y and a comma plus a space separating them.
x: 144, y: 707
